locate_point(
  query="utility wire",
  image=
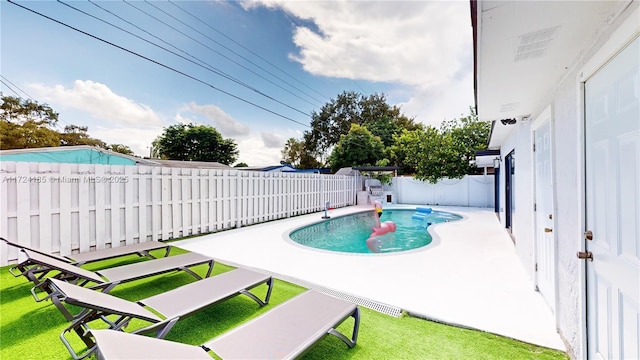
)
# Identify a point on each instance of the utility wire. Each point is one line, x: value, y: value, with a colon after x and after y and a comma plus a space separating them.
x: 255, y: 54
x: 9, y: 87
x: 28, y: 96
x: 158, y: 63
x: 215, y: 51
x: 16, y: 86
x: 164, y: 65
x: 213, y: 70
x: 228, y: 49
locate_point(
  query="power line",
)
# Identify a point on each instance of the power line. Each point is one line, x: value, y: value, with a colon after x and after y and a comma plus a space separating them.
x: 228, y: 49
x: 226, y: 57
x: 158, y: 63
x: 9, y: 87
x: 255, y: 54
x: 28, y: 96
x: 16, y: 86
x: 207, y: 67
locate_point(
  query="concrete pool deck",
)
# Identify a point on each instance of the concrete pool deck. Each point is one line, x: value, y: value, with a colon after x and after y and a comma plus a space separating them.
x: 469, y: 276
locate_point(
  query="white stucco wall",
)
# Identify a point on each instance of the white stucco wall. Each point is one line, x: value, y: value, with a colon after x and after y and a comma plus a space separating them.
x: 522, y: 216
x: 566, y: 124
x: 471, y: 190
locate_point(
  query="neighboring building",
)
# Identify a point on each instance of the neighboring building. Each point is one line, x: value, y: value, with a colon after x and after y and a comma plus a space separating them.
x: 283, y: 168
x: 81, y: 154
x: 272, y: 168
x: 561, y: 82
x: 84, y: 154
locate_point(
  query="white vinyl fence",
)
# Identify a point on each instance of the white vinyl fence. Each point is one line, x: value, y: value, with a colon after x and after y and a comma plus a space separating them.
x: 471, y: 190
x: 68, y: 208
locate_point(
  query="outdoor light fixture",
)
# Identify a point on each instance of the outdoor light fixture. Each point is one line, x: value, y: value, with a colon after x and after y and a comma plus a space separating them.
x: 496, y: 163
x: 508, y: 121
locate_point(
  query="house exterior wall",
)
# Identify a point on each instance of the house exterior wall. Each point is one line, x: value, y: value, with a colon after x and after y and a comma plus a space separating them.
x: 522, y: 214
x: 566, y: 106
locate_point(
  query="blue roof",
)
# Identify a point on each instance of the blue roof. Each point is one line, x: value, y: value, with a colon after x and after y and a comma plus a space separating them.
x: 81, y: 155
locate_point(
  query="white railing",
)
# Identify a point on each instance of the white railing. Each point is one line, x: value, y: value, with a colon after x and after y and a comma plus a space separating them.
x: 68, y: 208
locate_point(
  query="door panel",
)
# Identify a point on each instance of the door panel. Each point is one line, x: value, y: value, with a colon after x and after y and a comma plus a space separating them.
x: 612, y: 164
x: 545, y: 244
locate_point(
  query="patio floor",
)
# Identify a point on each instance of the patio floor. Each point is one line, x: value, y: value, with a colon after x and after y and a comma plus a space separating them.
x: 469, y: 276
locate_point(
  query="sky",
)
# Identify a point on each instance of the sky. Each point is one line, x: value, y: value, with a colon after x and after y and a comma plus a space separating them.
x: 255, y: 70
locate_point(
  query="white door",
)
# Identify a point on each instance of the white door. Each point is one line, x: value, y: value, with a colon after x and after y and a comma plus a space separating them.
x: 545, y: 244
x: 612, y: 163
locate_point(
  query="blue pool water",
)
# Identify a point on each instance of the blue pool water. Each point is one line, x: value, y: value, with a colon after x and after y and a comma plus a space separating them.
x: 350, y: 233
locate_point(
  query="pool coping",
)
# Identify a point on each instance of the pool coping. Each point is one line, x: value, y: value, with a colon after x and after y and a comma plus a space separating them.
x: 435, y: 238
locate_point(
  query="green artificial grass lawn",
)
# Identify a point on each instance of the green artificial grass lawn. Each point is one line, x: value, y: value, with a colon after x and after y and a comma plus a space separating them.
x: 30, y: 330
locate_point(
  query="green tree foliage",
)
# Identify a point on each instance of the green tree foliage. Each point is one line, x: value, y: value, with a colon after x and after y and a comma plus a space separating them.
x: 336, y: 117
x: 295, y: 154
x: 77, y: 135
x: 120, y: 148
x: 241, y: 165
x: 26, y: 124
x: 18, y: 110
x: 29, y: 134
x: 433, y: 154
x: 195, y: 143
x: 359, y: 147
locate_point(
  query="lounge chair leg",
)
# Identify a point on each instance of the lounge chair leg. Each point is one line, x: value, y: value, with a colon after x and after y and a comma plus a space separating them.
x: 356, y: 326
x: 83, y: 334
x: 198, y: 277
x: 260, y: 302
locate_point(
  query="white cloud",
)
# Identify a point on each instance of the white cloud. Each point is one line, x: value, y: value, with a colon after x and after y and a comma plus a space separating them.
x: 432, y: 106
x: 181, y: 119
x: 99, y: 102
x: 223, y: 122
x: 425, y: 46
x: 272, y: 140
x: 138, y: 139
x: 254, y: 153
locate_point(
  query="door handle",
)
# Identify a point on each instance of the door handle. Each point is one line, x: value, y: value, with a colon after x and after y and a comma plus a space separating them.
x: 548, y: 230
x: 585, y: 255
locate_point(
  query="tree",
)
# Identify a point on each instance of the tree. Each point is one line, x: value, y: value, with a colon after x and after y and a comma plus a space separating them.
x: 17, y: 110
x: 77, y: 135
x: 296, y: 154
x: 120, y: 148
x: 241, y: 165
x: 195, y: 143
x: 336, y: 117
x: 359, y: 147
x: 29, y: 134
x: 26, y: 124
x: 446, y: 153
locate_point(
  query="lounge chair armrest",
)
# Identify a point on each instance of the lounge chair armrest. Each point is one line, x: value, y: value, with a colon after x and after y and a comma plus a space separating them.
x: 160, y: 329
x: 91, y: 347
x: 13, y: 271
x: 41, y: 288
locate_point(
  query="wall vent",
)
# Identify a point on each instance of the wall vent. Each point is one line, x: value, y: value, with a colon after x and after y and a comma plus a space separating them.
x: 535, y: 45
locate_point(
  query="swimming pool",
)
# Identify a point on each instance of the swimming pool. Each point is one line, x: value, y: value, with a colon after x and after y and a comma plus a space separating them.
x: 350, y: 233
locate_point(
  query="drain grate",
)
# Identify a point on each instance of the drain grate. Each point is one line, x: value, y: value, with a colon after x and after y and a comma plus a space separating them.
x: 373, y: 305
x: 358, y: 300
